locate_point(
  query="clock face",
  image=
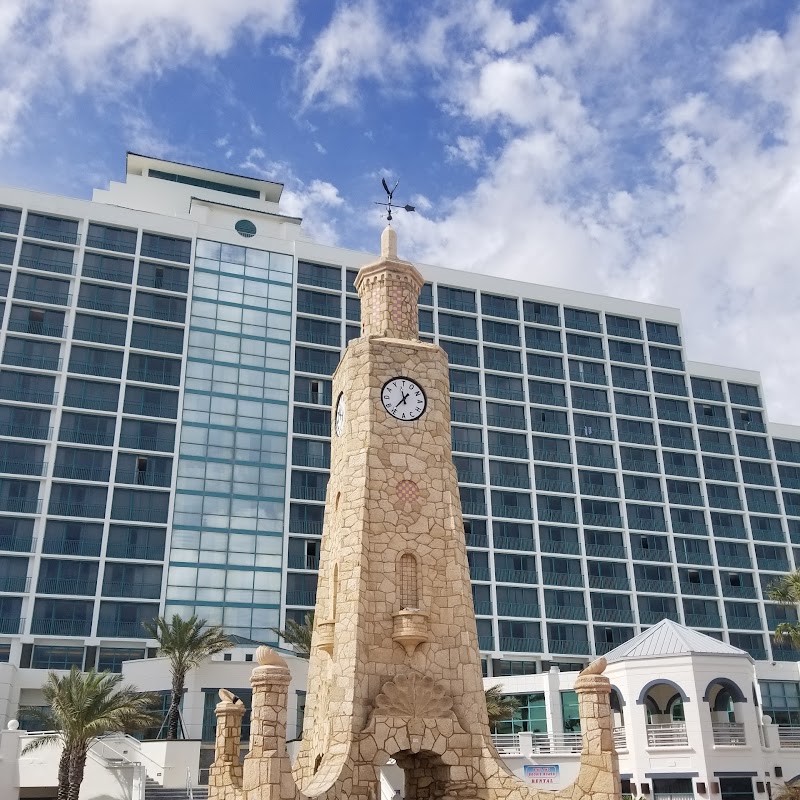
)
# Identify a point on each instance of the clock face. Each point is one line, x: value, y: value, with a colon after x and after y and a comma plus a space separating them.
x: 340, y: 411
x: 403, y: 399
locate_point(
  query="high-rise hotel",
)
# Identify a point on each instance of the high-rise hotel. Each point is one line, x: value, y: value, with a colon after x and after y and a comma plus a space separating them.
x: 166, y: 353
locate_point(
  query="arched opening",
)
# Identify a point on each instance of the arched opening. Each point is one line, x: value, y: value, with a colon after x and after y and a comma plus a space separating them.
x: 414, y: 776
x: 663, y: 701
x: 722, y: 696
x: 408, y: 583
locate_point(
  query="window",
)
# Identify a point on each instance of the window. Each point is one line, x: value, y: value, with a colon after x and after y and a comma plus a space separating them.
x: 319, y: 275
x: 166, y: 247
x: 623, y: 326
x: 582, y: 320
x: 541, y: 312
x: 457, y: 299
x: 464, y: 382
x: 496, y: 306
x: 543, y: 339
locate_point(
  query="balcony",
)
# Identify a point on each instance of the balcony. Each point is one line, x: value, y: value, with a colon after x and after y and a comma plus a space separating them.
x: 153, y: 443
x: 741, y: 593
x: 81, y: 473
x: 636, y: 437
x: 473, y: 509
x: 565, y: 487
x: 609, y: 582
x: 11, y: 625
x: 721, y: 475
x: 517, y: 423
x: 606, y: 551
x: 149, y: 591
x: 569, y: 647
x: 773, y: 564
x: 566, y: 612
x: 656, y: 586
x: 558, y: 428
x: 36, y: 296
x: 713, y: 421
x: 142, y: 552
x: 648, y: 617
x: 665, y: 363
x: 764, y: 507
x: 591, y: 405
x: 548, y: 345
x: 506, y: 394
x: 508, y: 543
x: 515, y: 576
x: 482, y: 608
x: 464, y: 387
x: 159, y: 345
x: 505, y: 452
x: 755, y: 427
x: 142, y: 478
x: 486, y: 643
x: 137, y: 514
x: 63, y: 268
x: 509, y: 481
x: 738, y: 562
x: 602, y: 520
x: 85, y: 437
x: 728, y: 734
x: 703, y: 620
x: 98, y: 370
x: 602, y: 462
x: 557, y: 515
x: 303, y: 562
x: 68, y: 509
x: 562, y: 578
x: 567, y: 548
x: 589, y: 432
x: 650, y: 554
x: 17, y: 544
x: 684, y: 470
x: 466, y: 417
x: 699, y: 589
x: 613, y: 329
x: 685, y: 499
x: 623, y: 615
x: 319, y: 338
x: 564, y: 743
x: 479, y: 573
x: 583, y: 351
x: 593, y: 378
x: 92, y: 402
x: 322, y: 281
x: 71, y: 547
x: 759, y: 480
x: 628, y: 358
x: 165, y: 377
x: 305, y: 460
x: 14, y: 583
x: 105, y: 274
x: 600, y: 490
x: 23, y: 467
x: 678, y: 443
x: 637, y: 465
x: 69, y: 586
x: 308, y: 493
x: 667, y: 734
x: 545, y: 372
x: 166, y: 315
x: 718, y: 501
x: 501, y: 365
x: 101, y: 243
x: 310, y: 526
x: 476, y: 540
x: 25, y: 431
x: 20, y: 505
x: 28, y: 396
x: 61, y: 627
x: 522, y: 610
x: 510, y: 644
x: 308, y: 599
x: 725, y: 448
x: 648, y: 495
x: 702, y: 559
x: 630, y: 383
x: 99, y: 335
x: 119, y: 629
x: 317, y: 429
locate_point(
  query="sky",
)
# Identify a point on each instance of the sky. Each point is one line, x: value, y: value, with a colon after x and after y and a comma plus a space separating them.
x: 647, y: 149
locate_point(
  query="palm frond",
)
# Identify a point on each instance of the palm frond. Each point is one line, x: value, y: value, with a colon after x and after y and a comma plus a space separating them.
x: 500, y: 706
x: 298, y: 634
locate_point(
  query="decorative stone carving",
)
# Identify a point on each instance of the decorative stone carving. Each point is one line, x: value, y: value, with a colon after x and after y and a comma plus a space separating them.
x: 325, y: 635
x: 410, y: 628
x: 414, y: 696
x: 267, y: 657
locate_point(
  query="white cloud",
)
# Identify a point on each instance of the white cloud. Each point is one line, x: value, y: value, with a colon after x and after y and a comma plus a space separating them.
x: 468, y: 149
x: 50, y: 50
x: 320, y: 148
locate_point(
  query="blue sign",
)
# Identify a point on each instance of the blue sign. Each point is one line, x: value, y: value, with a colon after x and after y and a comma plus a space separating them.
x: 539, y: 774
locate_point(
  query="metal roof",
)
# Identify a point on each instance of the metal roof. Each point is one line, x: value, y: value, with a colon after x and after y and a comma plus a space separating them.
x: 668, y: 638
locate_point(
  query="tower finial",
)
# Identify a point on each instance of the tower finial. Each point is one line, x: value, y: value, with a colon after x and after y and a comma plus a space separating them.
x: 389, y: 243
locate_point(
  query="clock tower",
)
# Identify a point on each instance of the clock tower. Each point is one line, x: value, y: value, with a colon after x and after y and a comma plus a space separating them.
x: 394, y: 669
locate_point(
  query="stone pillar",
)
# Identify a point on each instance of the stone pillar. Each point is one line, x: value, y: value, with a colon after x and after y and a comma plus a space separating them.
x: 267, y: 770
x: 594, y: 703
x: 225, y: 775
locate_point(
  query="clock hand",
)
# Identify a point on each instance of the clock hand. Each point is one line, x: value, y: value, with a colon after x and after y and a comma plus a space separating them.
x: 405, y: 397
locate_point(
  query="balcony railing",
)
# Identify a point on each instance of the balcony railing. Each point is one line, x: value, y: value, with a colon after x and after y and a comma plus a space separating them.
x: 648, y: 617
x: 68, y: 509
x: 64, y: 268
x: 301, y: 598
x: 603, y: 462
x: 93, y: 402
x: 479, y: 573
x: 789, y: 737
x: 510, y: 481
x: 606, y: 550
x: 154, y: 443
x: 11, y: 625
x: 513, y: 543
x: 678, y: 443
x: 507, y: 452
x: 161, y: 345
x: 37, y: 296
x: 617, y: 330
x: 118, y: 628
x: 18, y: 544
x: 557, y: 515
x: 85, y: 437
x: 476, y: 539
x: 562, y: 578
x: 142, y: 552
x: 703, y: 620
x: 25, y: 431
x: 729, y: 734
x: 23, y: 467
x: 523, y: 610
x: 600, y: 490
x: 685, y: 499
x: 609, y: 582
x: 66, y: 586
x: 506, y: 394
x: 20, y: 505
x: 667, y: 734
x: 311, y: 526
x: 513, y: 645
x: 554, y: 456
x: 14, y: 583
x: 648, y: 495
x: 515, y: 576
x: 620, y: 741
x: 569, y: 647
x: 566, y: 612
x: 657, y: 586
x: 459, y: 445
x: 303, y: 562
x: 61, y: 627
x: 685, y: 557
x: 322, y: 281
x: 128, y: 589
x: 569, y: 548
x: 630, y: 383
x: 638, y: 465
x: 81, y: 473
x: 650, y: 554
x: 507, y: 744
x: 557, y: 742
x: 602, y: 520
x: 558, y: 428
x: 71, y: 547
x: 140, y: 513
x: 684, y: 470
x: 465, y: 417
x: 623, y: 615
x: 702, y: 589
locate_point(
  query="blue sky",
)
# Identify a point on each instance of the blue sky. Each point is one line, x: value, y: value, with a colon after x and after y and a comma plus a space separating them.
x: 644, y: 148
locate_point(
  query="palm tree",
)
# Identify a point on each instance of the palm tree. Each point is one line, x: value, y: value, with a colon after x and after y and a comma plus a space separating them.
x: 298, y: 634
x: 186, y: 643
x: 83, y: 706
x: 786, y: 591
x: 499, y: 706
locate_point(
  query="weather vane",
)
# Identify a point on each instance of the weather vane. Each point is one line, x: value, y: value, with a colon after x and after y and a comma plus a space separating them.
x: 390, y: 205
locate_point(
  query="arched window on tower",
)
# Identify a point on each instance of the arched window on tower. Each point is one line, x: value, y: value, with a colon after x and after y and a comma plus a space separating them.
x: 409, y: 583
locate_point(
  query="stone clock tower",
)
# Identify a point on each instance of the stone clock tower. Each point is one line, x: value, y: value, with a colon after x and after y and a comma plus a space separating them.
x: 395, y: 670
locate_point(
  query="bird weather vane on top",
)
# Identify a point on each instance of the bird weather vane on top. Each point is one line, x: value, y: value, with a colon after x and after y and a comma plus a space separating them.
x: 390, y: 204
